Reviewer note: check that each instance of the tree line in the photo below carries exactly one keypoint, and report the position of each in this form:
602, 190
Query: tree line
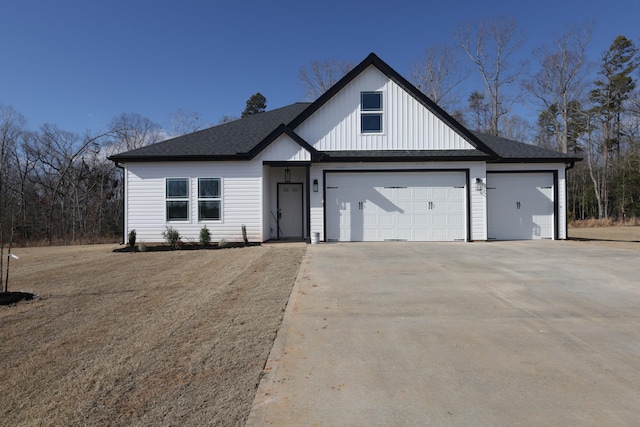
58, 187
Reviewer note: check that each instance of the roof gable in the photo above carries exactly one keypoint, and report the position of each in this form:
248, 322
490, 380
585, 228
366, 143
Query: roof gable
282, 134
402, 85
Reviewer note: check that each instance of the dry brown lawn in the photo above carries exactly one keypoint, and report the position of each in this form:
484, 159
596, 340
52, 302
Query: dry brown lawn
162, 338
627, 237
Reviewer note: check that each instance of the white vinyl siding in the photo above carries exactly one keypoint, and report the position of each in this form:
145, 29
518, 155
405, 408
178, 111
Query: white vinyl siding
407, 124
241, 193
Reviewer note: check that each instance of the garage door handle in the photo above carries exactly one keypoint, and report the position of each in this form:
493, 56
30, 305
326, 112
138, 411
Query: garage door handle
517, 205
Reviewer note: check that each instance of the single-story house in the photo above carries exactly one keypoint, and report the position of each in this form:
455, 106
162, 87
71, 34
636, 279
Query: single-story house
373, 159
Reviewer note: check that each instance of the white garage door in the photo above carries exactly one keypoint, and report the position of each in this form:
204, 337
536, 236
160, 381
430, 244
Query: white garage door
520, 206
412, 206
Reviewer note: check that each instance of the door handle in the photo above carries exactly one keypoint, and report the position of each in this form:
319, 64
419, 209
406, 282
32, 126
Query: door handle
517, 205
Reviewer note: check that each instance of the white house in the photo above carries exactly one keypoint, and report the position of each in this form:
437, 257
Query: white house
373, 159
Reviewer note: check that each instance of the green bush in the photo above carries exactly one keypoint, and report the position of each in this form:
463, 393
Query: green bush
223, 243
142, 247
132, 238
205, 236
172, 236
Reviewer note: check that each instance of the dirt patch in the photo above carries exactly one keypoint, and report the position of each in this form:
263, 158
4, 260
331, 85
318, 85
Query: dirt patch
165, 338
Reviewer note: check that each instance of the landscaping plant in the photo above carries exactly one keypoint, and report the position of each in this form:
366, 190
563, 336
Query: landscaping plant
244, 234
172, 236
205, 236
132, 238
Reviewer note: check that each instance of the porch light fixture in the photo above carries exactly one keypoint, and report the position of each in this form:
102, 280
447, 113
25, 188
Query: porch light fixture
479, 184
315, 185
287, 175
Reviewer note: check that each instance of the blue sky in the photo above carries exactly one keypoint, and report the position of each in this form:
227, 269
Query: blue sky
77, 64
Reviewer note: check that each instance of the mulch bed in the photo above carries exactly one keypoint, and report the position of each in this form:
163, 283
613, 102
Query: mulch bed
185, 247
8, 298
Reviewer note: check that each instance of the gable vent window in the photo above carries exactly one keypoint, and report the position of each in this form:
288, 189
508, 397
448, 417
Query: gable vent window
209, 199
177, 199
371, 112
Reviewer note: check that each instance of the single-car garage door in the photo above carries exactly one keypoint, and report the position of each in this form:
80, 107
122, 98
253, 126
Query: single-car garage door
412, 206
520, 206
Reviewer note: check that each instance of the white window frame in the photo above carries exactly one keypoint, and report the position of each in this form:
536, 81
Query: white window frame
168, 199
372, 112
210, 199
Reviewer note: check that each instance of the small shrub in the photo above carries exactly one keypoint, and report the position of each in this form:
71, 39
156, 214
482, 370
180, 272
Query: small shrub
205, 236
172, 236
132, 238
244, 234
142, 246
223, 243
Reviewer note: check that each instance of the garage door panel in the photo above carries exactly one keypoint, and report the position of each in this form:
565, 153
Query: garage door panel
520, 206
398, 205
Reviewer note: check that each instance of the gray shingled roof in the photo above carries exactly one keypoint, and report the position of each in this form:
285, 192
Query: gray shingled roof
236, 139
225, 141
510, 150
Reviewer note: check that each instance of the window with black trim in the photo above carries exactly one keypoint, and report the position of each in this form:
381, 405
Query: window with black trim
177, 199
209, 199
371, 112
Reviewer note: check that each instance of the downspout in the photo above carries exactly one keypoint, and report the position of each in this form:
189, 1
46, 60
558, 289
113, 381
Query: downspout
124, 195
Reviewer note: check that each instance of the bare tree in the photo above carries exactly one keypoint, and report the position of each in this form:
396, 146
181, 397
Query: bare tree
131, 131
12, 124
185, 121
320, 76
438, 73
517, 128
490, 44
559, 82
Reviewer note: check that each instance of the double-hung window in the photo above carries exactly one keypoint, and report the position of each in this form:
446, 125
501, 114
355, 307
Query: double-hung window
177, 199
209, 199
371, 112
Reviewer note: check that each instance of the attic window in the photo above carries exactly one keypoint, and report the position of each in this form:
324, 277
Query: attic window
371, 112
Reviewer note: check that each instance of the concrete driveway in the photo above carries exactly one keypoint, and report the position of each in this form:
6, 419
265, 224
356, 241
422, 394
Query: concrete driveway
536, 333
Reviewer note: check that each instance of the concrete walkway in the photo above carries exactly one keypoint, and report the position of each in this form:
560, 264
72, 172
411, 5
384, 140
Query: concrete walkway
463, 334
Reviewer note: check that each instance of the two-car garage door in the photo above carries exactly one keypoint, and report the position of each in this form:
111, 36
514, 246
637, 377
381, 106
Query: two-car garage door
412, 206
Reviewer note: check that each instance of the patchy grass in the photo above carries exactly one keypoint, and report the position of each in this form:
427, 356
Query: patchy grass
168, 338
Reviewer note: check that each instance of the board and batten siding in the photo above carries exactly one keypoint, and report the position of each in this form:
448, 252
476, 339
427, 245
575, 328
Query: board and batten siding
283, 149
241, 200
562, 186
478, 198
407, 124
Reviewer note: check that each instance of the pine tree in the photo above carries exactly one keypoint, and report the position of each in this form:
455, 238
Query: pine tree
612, 90
256, 104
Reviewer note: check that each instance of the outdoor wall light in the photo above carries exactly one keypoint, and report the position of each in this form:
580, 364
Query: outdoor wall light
315, 185
287, 175
479, 184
